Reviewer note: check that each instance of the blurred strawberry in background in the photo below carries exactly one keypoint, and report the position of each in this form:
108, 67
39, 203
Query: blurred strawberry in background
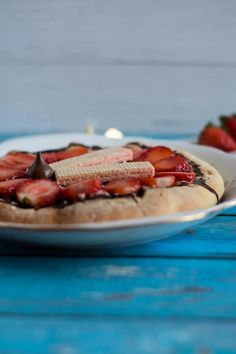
222, 137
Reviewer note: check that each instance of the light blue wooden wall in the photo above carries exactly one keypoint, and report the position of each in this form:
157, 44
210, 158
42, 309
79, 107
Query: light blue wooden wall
141, 65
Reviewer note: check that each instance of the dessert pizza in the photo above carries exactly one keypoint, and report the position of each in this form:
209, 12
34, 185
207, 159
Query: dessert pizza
81, 184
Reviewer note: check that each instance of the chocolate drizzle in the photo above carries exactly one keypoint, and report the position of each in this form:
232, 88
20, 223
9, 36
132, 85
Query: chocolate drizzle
197, 169
202, 183
200, 179
40, 169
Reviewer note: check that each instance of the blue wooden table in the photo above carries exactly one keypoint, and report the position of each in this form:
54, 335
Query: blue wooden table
173, 296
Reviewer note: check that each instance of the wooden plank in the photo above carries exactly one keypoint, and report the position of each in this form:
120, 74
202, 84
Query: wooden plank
114, 336
163, 288
214, 239
131, 31
67, 98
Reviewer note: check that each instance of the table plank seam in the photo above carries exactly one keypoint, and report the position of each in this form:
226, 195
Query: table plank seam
111, 316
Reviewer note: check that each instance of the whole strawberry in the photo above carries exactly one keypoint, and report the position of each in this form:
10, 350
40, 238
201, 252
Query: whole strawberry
217, 137
229, 124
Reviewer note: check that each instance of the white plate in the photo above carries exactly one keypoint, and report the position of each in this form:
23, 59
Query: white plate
125, 232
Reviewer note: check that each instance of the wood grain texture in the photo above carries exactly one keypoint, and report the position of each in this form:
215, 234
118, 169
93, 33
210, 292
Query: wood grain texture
152, 64
119, 287
137, 99
76, 335
111, 32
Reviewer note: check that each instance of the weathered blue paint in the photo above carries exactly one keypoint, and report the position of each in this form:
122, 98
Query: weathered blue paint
152, 287
99, 335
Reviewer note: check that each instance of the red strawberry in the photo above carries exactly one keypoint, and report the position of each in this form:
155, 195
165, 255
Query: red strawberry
217, 137
38, 193
7, 173
15, 159
14, 165
123, 186
50, 157
78, 149
71, 151
179, 176
8, 188
155, 154
158, 182
176, 163
81, 190
229, 124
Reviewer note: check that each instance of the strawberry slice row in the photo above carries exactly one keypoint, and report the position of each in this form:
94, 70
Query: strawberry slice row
15, 163
170, 168
15, 158
44, 192
167, 164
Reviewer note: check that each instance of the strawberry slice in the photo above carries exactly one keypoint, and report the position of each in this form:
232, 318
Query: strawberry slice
71, 151
156, 153
15, 159
229, 124
50, 157
78, 149
175, 163
122, 186
14, 165
158, 182
81, 190
8, 188
7, 173
179, 176
38, 193
217, 137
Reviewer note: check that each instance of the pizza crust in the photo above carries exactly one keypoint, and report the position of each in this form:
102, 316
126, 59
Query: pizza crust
156, 201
